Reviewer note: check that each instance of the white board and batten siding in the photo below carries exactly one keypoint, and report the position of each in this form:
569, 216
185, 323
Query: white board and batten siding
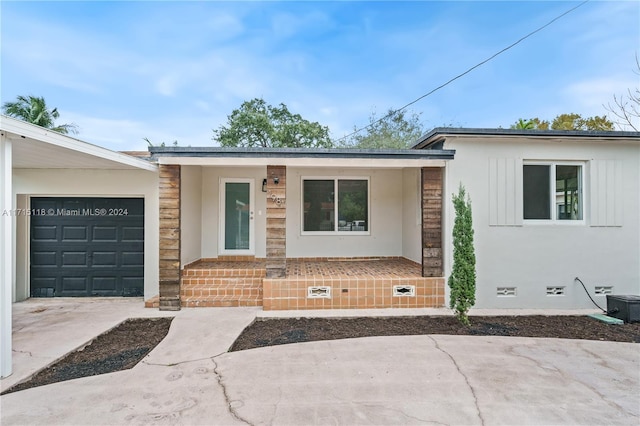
533, 264
606, 193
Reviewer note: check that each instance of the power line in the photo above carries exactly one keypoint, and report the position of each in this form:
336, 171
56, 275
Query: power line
466, 72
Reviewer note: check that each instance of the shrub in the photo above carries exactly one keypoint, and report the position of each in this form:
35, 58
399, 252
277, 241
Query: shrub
462, 280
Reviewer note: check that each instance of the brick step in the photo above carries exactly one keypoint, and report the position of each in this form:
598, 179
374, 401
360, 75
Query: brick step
226, 291
220, 291
221, 282
220, 301
231, 272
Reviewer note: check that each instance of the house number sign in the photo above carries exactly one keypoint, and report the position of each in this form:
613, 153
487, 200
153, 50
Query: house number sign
279, 201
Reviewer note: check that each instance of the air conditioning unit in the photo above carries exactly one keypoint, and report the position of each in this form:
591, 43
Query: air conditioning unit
626, 308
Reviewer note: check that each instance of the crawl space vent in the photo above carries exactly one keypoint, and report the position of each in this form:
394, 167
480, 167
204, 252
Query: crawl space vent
319, 292
555, 291
506, 291
404, 290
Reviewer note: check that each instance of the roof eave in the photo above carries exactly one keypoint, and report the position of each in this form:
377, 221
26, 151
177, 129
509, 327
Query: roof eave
22, 129
320, 153
434, 138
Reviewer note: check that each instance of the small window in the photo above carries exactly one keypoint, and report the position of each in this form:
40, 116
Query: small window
335, 205
552, 192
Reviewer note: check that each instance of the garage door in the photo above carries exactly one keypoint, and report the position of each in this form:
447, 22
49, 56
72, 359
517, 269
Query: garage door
87, 247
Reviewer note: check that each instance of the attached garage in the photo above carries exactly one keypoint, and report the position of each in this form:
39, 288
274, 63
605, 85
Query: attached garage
86, 247
76, 220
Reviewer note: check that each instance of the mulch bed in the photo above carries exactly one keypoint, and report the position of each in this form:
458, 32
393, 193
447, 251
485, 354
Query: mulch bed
118, 349
282, 331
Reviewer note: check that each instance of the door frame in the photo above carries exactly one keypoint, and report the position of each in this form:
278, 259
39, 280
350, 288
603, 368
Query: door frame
222, 219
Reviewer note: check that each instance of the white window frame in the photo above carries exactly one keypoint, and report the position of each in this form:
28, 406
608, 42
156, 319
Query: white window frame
335, 206
552, 193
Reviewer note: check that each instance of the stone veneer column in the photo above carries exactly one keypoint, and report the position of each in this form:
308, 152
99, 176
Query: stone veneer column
432, 189
169, 237
276, 222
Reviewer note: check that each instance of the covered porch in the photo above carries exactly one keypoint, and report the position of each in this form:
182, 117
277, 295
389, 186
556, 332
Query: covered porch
310, 283
300, 229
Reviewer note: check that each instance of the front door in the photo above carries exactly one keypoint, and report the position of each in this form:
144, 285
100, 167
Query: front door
236, 217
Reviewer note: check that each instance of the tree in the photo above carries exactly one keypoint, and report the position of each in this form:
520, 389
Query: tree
462, 280
530, 124
257, 124
576, 122
566, 122
396, 130
522, 124
627, 107
34, 110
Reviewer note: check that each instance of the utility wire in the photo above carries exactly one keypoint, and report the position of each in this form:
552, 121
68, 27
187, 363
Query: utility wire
466, 72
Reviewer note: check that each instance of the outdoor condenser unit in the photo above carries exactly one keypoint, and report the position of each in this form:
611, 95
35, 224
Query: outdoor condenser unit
626, 308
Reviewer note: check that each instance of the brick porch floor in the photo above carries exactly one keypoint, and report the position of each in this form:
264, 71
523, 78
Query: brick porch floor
313, 267
337, 282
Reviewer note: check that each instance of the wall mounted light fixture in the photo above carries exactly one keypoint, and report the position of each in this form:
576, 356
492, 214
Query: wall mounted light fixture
276, 180
264, 185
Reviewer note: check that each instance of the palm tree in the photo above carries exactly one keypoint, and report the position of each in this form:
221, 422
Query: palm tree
524, 124
34, 110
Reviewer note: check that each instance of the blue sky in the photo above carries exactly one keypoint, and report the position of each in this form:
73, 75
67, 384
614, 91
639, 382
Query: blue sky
123, 71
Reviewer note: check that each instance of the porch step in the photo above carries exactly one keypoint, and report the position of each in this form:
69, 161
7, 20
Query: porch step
215, 291
224, 273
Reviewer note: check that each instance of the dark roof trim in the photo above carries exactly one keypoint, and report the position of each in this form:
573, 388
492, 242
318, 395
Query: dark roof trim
435, 138
404, 154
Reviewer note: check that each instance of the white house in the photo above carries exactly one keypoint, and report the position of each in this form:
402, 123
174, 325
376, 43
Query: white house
316, 228
548, 206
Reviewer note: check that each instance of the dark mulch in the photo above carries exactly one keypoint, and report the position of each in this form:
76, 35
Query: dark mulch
282, 331
118, 349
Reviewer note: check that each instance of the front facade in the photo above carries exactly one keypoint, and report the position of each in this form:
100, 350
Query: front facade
300, 229
548, 207
319, 229
346, 210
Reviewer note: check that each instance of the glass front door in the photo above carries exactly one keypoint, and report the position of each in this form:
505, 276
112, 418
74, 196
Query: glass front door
236, 216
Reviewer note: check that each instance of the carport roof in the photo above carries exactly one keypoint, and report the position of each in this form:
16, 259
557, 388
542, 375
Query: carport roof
34, 147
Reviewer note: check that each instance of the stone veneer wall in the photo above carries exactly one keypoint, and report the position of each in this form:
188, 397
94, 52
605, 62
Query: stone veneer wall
432, 181
169, 237
276, 222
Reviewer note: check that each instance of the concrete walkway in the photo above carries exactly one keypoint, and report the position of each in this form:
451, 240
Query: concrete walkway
190, 379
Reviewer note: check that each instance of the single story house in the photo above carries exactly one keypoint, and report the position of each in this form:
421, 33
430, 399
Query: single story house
317, 228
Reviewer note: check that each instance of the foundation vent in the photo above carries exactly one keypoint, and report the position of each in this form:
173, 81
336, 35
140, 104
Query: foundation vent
404, 290
555, 291
319, 292
604, 289
506, 292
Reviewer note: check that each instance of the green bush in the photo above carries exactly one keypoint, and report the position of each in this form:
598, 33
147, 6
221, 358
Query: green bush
462, 280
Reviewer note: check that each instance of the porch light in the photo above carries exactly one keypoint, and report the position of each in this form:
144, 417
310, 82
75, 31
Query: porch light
264, 185
276, 180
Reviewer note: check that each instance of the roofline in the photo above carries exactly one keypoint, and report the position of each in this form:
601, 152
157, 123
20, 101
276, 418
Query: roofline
23, 129
439, 134
228, 152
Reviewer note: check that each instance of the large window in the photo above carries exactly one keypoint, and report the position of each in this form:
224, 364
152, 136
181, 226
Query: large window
552, 192
335, 205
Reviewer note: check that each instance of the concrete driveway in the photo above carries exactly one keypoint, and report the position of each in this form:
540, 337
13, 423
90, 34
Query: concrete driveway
191, 379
